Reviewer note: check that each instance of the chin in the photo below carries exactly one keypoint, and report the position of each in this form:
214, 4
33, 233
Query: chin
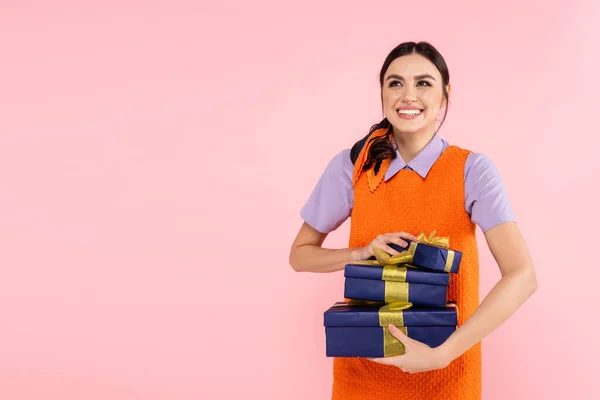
412, 127
408, 126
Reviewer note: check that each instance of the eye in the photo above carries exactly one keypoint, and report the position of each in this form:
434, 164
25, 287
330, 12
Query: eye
394, 83
425, 82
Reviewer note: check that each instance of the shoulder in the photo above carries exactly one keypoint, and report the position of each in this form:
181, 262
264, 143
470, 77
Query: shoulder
340, 166
457, 150
481, 175
486, 199
475, 162
480, 166
332, 199
452, 153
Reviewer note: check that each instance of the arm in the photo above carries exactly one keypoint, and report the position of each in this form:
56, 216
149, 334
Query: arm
307, 255
328, 206
517, 284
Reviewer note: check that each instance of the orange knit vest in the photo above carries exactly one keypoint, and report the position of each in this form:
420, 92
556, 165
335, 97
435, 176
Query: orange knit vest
412, 204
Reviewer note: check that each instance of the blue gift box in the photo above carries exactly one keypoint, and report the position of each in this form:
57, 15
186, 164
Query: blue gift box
429, 256
390, 292
396, 273
362, 331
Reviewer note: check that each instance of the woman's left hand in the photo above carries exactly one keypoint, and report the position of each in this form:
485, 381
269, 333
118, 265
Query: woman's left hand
417, 357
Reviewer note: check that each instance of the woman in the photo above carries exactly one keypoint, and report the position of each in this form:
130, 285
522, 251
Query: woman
400, 180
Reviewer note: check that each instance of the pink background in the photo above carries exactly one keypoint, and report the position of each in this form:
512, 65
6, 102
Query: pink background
154, 157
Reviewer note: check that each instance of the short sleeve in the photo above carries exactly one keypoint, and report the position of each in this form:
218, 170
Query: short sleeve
332, 199
486, 200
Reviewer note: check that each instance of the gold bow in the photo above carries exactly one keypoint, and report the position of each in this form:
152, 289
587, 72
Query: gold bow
406, 256
439, 241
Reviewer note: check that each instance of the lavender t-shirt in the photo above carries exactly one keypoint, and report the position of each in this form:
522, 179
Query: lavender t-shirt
332, 199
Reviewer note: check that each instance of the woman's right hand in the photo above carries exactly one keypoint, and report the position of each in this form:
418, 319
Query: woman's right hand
381, 241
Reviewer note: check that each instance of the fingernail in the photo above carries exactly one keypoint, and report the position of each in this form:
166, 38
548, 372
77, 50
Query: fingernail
393, 328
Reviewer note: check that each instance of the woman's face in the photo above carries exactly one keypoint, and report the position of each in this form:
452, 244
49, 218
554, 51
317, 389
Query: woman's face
412, 94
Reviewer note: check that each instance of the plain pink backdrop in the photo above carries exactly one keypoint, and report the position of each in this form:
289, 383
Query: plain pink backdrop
154, 157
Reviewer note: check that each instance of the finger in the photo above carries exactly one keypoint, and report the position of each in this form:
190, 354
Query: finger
383, 245
406, 235
398, 334
397, 240
383, 241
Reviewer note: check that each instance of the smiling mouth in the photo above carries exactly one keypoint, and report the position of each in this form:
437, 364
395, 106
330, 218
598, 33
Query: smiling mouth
408, 114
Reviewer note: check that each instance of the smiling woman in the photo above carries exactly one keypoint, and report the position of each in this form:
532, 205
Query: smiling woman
402, 179
415, 87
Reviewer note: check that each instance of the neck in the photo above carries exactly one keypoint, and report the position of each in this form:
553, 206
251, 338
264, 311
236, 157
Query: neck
410, 144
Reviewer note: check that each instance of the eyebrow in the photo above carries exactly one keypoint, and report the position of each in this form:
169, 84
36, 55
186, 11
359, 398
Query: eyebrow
417, 77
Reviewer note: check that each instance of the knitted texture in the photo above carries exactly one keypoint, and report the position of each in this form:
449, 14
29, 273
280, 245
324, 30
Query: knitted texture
412, 204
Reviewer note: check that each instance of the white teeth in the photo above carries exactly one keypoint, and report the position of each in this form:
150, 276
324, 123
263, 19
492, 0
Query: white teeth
409, 112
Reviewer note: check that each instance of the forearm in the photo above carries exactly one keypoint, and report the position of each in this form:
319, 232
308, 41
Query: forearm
503, 300
310, 258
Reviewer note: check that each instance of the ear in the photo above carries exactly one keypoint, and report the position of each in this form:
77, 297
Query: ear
445, 101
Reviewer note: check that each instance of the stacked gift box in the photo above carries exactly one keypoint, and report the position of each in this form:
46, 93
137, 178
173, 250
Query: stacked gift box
408, 290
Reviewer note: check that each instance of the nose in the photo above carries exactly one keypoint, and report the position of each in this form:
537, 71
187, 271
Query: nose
409, 95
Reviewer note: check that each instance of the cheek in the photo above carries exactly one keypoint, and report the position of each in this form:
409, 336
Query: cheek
433, 102
432, 99
389, 99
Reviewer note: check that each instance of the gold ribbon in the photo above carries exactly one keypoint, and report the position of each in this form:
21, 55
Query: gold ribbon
393, 313
394, 273
396, 292
439, 241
